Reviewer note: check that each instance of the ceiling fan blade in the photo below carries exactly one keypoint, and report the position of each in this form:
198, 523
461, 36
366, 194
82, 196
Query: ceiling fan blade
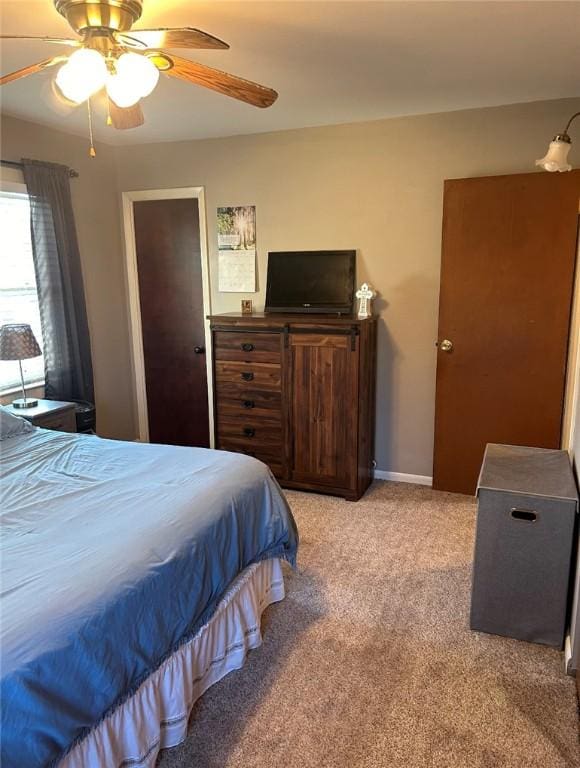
129, 117
222, 82
44, 39
184, 37
31, 70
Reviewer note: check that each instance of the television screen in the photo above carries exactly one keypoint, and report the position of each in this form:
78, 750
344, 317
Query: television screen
310, 281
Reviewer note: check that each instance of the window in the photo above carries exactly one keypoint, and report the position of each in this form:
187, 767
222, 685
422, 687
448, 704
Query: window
18, 294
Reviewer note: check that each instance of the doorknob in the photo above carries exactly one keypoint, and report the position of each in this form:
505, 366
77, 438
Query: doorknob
199, 350
446, 345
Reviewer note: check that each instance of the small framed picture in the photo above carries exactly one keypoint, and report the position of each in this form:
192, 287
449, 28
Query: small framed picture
246, 306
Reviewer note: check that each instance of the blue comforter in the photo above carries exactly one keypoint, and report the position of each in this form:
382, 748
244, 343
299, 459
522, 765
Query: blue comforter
113, 554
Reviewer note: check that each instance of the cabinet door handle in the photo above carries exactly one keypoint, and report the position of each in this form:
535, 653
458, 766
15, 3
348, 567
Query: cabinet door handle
247, 347
246, 376
249, 431
249, 404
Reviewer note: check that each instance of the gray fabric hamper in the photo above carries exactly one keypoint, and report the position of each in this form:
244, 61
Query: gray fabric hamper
525, 527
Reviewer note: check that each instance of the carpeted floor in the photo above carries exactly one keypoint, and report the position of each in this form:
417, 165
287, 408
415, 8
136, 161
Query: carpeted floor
369, 662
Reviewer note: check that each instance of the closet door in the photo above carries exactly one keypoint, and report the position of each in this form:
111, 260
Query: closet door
507, 276
323, 369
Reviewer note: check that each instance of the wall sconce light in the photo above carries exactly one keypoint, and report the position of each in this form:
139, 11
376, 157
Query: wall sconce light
556, 158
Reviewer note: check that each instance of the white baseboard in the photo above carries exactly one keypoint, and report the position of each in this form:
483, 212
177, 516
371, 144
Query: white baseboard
402, 477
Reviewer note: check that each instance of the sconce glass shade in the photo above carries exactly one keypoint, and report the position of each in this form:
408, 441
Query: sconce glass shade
556, 158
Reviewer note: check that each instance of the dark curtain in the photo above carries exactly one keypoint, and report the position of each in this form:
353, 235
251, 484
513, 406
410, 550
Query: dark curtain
61, 296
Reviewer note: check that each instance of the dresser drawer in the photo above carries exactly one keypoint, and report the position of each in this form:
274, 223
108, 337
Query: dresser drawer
241, 376
64, 421
265, 406
251, 431
229, 393
250, 347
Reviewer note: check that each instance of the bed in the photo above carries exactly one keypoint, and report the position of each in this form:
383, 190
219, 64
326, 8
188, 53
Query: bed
133, 577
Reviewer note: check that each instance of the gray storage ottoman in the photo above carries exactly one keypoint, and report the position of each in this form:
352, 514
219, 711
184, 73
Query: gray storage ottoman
525, 528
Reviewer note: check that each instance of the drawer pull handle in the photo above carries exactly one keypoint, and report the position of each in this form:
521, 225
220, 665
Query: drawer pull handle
526, 515
249, 431
246, 376
247, 347
249, 404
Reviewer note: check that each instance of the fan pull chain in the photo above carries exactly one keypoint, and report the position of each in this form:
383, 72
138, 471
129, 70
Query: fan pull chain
92, 150
109, 118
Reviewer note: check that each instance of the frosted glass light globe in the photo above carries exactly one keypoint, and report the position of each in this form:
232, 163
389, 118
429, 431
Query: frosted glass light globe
140, 71
122, 91
84, 73
136, 76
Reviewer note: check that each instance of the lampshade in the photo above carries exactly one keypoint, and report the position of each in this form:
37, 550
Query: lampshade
556, 158
17, 342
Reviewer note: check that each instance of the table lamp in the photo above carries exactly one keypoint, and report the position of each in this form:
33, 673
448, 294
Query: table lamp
17, 342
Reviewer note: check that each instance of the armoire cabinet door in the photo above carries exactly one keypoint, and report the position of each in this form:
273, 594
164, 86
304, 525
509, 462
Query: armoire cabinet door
323, 370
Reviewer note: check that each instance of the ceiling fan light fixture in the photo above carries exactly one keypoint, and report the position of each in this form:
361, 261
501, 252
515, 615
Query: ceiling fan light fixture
84, 74
122, 91
140, 70
111, 55
134, 78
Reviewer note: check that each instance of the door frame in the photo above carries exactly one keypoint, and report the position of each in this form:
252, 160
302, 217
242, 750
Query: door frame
572, 392
135, 328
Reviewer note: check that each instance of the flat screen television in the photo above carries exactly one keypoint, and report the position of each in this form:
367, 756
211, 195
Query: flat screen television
311, 281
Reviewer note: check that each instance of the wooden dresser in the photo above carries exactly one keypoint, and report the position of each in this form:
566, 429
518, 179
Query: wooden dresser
298, 393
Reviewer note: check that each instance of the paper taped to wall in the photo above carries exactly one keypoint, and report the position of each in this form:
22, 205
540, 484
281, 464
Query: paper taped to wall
237, 249
237, 271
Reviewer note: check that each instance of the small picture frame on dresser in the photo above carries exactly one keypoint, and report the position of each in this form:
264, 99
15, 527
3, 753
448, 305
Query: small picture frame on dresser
247, 307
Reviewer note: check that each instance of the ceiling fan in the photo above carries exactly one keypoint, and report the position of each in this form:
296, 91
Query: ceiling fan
126, 62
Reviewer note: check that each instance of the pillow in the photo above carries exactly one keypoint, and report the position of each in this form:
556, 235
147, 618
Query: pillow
11, 425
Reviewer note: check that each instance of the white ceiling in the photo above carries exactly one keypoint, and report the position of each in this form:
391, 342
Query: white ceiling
331, 62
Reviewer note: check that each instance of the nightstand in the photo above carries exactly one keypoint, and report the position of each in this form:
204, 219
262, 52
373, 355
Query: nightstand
49, 414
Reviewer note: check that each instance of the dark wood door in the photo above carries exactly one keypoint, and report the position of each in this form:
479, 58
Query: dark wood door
172, 319
323, 424
507, 275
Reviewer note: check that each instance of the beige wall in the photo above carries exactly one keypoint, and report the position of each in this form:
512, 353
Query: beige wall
98, 227
376, 187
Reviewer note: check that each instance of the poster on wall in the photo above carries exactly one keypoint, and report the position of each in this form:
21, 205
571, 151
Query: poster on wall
237, 249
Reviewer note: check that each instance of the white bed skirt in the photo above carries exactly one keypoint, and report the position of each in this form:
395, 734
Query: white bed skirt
156, 716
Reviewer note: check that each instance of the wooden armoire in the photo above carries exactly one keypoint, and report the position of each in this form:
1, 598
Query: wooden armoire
298, 393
